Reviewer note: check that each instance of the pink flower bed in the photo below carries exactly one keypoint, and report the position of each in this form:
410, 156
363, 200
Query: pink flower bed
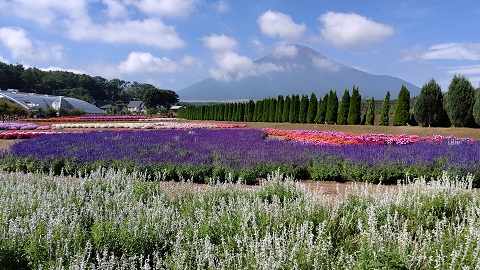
345, 138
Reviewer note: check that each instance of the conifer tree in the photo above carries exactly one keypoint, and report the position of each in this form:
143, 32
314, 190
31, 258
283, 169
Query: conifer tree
294, 109
312, 108
332, 108
370, 118
250, 111
402, 110
460, 100
259, 110
302, 116
385, 110
322, 110
355, 108
476, 107
286, 109
279, 109
344, 108
272, 110
429, 104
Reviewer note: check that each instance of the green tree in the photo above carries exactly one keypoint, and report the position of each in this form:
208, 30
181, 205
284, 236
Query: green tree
294, 109
302, 116
279, 109
332, 108
460, 100
322, 110
250, 110
259, 111
355, 108
476, 107
370, 118
155, 97
344, 108
385, 110
312, 108
272, 111
429, 104
402, 110
286, 109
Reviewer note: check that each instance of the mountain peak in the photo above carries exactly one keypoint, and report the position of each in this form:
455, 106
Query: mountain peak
295, 69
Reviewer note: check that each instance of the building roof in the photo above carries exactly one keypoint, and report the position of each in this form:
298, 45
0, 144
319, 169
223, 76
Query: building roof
32, 101
135, 104
175, 107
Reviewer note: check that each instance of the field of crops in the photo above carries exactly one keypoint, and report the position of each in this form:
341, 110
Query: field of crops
244, 154
79, 199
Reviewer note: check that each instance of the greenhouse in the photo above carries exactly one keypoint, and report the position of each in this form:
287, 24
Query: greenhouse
35, 102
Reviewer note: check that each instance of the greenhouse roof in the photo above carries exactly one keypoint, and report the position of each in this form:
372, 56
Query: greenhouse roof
32, 101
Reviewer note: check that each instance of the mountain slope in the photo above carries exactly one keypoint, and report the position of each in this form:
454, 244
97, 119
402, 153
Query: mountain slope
302, 72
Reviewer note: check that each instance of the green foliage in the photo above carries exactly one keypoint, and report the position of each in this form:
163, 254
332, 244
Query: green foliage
272, 110
294, 109
332, 108
279, 109
322, 110
259, 111
429, 104
302, 116
155, 97
250, 111
402, 110
355, 109
286, 109
459, 101
384, 115
344, 108
312, 108
370, 112
476, 107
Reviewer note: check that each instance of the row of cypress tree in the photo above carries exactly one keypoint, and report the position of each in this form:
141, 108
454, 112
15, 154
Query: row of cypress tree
294, 109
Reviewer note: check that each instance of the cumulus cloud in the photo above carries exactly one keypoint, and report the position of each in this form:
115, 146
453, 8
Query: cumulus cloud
222, 6
219, 43
152, 32
44, 12
279, 24
350, 29
325, 63
22, 48
233, 66
454, 51
53, 68
115, 9
167, 8
465, 70
285, 50
140, 62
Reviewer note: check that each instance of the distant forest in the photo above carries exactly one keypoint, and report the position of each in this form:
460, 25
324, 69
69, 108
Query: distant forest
96, 90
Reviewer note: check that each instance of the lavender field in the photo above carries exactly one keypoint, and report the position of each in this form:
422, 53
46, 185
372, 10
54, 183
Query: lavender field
203, 155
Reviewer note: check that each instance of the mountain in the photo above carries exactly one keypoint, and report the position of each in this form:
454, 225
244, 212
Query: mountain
302, 71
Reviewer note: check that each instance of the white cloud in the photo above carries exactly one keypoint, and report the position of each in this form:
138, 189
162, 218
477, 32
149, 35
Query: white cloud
325, 63
3, 60
280, 24
454, 51
465, 70
167, 8
152, 32
44, 12
285, 50
257, 44
115, 9
53, 68
139, 62
350, 29
222, 6
22, 48
219, 43
233, 66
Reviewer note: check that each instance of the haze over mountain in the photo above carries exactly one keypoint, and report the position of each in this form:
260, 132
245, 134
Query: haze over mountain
296, 70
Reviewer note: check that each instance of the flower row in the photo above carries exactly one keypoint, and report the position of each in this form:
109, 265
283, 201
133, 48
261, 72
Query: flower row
22, 126
346, 138
203, 153
155, 125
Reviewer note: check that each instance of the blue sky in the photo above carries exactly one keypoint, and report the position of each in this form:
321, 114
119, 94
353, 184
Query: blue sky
175, 43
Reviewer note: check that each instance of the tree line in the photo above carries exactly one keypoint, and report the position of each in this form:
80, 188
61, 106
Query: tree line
460, 106
96, 90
